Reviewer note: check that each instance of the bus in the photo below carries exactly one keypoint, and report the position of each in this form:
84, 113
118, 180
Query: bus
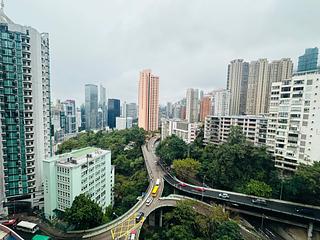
155, 191
158, 182
27, 227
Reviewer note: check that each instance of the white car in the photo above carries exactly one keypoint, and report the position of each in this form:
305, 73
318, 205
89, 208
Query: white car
149, 201
224, 195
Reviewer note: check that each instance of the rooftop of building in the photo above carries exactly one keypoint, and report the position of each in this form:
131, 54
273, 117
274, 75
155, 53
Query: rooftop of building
77, 157
241, 116
3, 17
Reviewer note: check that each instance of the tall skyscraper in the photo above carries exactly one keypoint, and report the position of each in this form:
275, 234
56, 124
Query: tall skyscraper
102, 120
237, 83
124, 109
25, 133
169, 110
132, 111
192, 106
261, 75
220, 102
113, 112
309, 60
91, 106
148, 101
205, 107
69, 108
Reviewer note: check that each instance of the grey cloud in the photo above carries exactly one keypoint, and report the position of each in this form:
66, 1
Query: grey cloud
187, 43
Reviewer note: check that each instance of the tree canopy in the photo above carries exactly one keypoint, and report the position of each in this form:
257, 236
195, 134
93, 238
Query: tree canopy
172, 148
304, 185
84, 213
186, 168
184, 223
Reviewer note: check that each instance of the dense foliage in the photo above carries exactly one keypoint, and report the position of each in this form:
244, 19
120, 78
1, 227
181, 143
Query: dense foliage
184, 223
186, 168
131, 176
172, 148
240, 166
304, 185
84, 213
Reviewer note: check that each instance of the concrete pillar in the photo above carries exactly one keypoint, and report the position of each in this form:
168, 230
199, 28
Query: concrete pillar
152, 219
160, 220
310, 231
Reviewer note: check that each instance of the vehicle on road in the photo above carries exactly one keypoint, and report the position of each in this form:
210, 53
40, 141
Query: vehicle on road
200, 189
27, 227
158, 182
133, 234
155, 191
259, 201
224, 195
304, 211
182, 184
149, 201
9, 222
139, 217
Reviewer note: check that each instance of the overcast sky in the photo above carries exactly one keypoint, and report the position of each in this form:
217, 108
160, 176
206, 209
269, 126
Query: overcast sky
188, 43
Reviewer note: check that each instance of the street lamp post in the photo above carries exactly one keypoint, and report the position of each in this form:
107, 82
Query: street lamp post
262, 218
204, 177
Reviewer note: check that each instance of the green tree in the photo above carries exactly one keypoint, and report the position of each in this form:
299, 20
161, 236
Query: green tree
84, 213
179, 232
186, 168
236, 136
172, 148
228, 230
304, 185
257, 188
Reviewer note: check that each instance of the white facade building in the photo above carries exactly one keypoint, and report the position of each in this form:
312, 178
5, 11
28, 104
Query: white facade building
220, 102
123, 122
87, 170
184, 130
217, 128
294, 121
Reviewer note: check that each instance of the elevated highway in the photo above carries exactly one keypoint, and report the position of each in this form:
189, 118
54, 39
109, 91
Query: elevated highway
120, 228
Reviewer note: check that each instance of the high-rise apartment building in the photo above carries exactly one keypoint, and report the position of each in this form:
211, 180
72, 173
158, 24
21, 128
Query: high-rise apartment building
220, 102
69, 108
192, 105
217, 128
261, 75
169, 110
25, 132
91, 106
113, 112
237, 82
205, 107
309, 60
148, 101
293, 126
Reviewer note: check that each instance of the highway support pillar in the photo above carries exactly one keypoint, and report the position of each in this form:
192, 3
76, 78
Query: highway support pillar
152, 219
160, 220
310, 231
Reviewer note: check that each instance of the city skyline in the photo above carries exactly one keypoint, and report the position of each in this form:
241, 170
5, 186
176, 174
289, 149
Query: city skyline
199, 60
